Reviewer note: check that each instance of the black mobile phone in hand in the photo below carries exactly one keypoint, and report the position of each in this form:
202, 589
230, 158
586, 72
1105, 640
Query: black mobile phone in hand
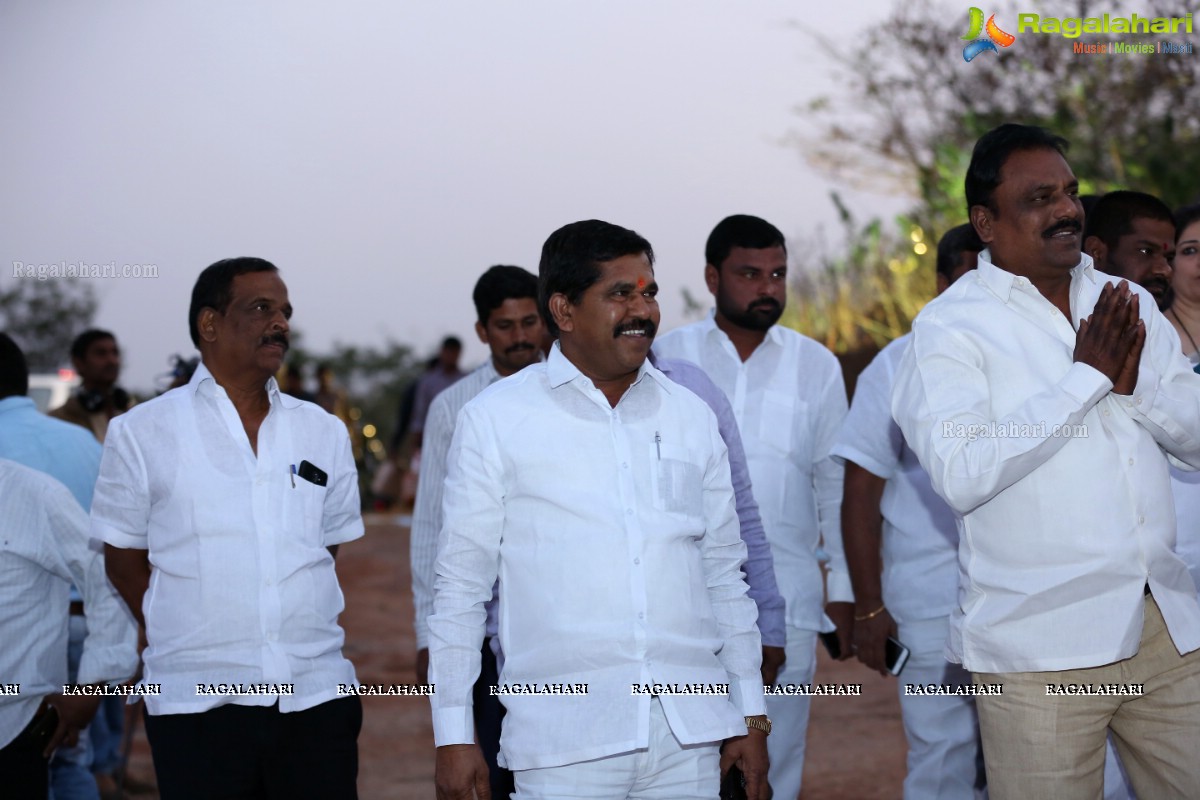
733, 785
44, 727
832, 644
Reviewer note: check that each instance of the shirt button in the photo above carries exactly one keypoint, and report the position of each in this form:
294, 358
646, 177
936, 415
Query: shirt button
1138, 401
641, 615
624, 465
268, 583
1141, 520
637, 561
1106, 413
629, 512
1131, 462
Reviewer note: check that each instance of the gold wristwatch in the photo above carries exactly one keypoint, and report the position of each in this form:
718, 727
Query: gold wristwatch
761, 722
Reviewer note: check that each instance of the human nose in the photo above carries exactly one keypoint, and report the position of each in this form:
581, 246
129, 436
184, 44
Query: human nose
1069, 207
640, 307
1162, 266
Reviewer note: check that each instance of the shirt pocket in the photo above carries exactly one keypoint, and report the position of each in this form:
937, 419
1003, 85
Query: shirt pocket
778, 423
676, 480
306, 505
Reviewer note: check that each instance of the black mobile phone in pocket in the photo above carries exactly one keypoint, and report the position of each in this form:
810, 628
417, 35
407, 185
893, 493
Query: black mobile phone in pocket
312, 474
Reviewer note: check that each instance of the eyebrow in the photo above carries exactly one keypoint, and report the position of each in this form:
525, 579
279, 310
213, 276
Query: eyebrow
629, 286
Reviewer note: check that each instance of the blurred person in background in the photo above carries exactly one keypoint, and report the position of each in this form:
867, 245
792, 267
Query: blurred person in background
97, 360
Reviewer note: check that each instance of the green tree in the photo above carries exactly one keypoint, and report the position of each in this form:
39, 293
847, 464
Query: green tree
43, 317
908, 110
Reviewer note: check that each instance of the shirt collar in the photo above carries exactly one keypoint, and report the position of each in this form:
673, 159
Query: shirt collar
203, 380
774, 333
1001, 281
560, 370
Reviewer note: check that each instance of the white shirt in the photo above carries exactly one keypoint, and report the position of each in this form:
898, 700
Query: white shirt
920, 532
789, 400
43, 549
614, 535
242, 588
1059, 533
1185, 486
427, 512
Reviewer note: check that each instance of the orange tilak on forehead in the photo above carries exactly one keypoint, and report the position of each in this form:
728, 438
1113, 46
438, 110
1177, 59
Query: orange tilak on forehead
641, 283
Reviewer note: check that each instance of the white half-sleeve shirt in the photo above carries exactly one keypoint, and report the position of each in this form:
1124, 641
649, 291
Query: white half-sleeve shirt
920, 532
242, 588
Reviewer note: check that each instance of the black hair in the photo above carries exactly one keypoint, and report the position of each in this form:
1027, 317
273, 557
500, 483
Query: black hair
214, 287
740, 230
992, 151
451, 343
14, 370
500, 283
572, 256
954, 242
1113, 215
1184, 217
83, 341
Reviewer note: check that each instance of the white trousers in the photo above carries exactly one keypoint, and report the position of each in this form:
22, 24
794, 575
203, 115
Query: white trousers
789, 715
666, 770
945, 759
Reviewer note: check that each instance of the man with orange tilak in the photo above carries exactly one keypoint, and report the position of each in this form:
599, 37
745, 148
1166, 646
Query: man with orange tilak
598, 491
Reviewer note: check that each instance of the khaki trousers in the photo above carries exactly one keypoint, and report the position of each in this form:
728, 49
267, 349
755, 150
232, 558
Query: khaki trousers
1038, 746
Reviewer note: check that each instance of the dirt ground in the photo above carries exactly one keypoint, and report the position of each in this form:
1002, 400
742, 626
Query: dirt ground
855, 744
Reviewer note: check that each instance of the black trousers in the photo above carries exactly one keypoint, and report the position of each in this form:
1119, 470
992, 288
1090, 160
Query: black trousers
488, 715
258, 753
24, 771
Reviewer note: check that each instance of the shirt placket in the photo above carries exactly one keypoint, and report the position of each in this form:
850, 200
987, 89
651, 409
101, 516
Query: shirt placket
1061, 327
269, 483
272, 661
635, 552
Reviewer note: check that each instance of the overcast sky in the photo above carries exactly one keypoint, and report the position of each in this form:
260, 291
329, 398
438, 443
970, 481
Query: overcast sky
384, 154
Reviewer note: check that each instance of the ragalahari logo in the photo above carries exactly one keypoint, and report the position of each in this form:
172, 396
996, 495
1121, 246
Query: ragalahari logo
995, 36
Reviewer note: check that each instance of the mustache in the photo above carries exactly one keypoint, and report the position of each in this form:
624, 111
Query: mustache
1065, 225
646, 325
516, 348
279, 338
766, 302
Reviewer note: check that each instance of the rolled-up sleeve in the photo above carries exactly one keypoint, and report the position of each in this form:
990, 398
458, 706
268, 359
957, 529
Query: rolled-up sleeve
121, 502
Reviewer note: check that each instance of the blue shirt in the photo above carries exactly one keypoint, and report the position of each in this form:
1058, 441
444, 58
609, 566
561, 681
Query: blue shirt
65, 452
